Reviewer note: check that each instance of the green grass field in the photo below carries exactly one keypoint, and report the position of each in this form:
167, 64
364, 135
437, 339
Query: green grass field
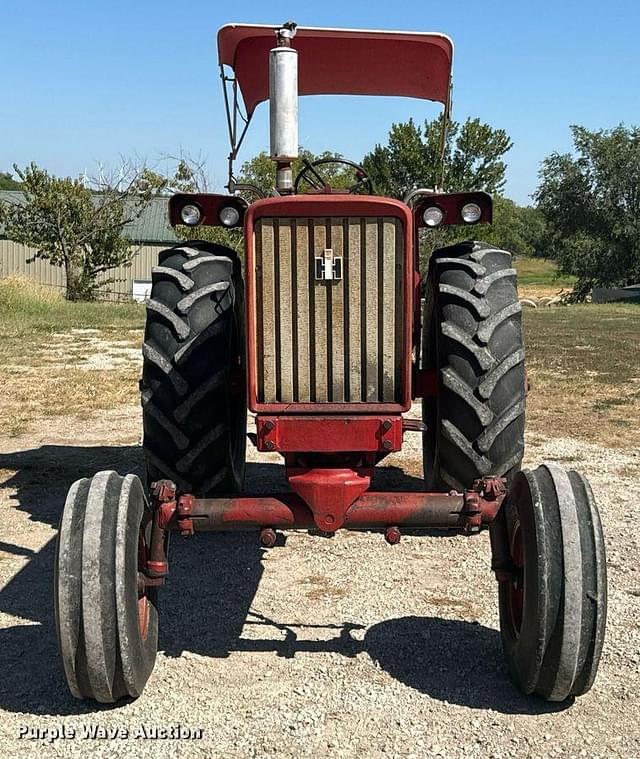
29, 312
26, 307
538, 272
583, 362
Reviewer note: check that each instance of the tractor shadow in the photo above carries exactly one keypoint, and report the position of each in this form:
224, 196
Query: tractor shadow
207, 604
31, 676
450, 660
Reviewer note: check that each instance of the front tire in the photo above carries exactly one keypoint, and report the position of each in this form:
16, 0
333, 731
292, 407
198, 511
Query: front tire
473, 339
553, 607
106, 623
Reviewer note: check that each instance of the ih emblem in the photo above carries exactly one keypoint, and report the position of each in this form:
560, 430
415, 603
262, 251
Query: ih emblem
328, 266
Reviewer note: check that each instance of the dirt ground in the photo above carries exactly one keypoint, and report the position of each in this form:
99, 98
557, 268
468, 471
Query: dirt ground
342, 647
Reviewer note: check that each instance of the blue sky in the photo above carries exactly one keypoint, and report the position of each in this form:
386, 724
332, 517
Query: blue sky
89, 81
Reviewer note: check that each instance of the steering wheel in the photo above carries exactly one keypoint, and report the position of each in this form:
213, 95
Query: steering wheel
315, 179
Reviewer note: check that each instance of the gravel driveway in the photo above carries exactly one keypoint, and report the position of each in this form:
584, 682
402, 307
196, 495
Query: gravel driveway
342, 647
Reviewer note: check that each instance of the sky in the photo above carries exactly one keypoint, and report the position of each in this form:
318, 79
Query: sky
85, 82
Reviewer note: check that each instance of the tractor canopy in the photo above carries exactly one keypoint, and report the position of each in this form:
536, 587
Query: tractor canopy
342, 62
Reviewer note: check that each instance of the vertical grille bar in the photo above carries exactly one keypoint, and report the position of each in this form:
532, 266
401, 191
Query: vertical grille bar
258, 239
320, 357
354, 295
302, 356
337, 317
399, 315
284, 307
388, 308
371, 295
268, 310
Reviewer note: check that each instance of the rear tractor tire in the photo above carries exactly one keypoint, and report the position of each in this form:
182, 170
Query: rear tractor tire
193, 376
106, 620
553, 601
472, 338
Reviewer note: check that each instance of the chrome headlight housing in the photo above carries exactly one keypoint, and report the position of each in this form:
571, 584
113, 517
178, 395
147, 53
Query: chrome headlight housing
471, 213
433, 216
229, 216
190, 214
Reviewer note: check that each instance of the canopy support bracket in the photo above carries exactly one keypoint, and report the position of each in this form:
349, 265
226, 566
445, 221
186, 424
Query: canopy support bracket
234, 116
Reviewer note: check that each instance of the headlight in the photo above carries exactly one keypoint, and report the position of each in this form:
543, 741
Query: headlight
229, 216
190, 214
433, 216
471, 213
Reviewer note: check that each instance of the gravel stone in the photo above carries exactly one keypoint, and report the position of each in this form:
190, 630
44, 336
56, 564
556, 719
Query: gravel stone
343, 647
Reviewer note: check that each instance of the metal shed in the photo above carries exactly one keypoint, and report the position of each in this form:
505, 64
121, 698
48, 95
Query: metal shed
149, 234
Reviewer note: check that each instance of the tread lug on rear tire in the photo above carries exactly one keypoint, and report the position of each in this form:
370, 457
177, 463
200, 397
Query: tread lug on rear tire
193, 378
553, 610
472, 336
107, 632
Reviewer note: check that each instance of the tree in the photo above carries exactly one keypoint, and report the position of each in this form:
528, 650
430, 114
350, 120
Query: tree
591, 204
534, 231
518, 229
411, 158
260, 172
72, 225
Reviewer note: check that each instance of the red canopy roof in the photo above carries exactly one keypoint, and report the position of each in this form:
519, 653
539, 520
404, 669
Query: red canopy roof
342, 62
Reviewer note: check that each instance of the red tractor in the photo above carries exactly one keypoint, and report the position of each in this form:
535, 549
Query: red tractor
327, 332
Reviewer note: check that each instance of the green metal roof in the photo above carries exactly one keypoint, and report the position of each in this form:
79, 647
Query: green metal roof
152, 226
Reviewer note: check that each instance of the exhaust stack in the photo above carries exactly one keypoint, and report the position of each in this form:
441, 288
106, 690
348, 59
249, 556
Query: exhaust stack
283, 106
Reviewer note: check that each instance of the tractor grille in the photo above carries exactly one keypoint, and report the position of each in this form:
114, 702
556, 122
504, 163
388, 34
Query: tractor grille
329, 340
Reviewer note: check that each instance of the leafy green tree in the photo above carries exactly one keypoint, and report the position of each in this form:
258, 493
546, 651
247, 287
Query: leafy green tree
591, 204
534, 231
473, 158
412, 159
260, 172
518, 229
73, 226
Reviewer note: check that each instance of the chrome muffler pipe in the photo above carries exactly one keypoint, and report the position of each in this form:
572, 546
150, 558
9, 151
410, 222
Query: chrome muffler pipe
283, 106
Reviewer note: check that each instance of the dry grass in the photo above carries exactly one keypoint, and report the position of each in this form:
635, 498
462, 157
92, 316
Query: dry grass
39, 393
78, 359
49, 347
584, 366
29, 313
539, 278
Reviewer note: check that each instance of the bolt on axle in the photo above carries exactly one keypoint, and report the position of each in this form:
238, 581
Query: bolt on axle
268, 537
392, 535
